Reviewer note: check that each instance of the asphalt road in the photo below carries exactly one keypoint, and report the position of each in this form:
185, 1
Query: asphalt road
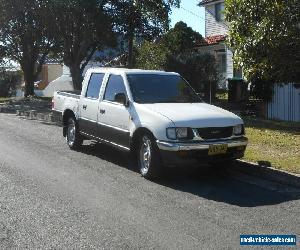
51, 197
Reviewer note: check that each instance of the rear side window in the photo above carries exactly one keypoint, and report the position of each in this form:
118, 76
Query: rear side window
114, 86
94, 86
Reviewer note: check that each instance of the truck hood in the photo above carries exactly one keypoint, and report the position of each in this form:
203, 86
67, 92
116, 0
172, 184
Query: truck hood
195, 115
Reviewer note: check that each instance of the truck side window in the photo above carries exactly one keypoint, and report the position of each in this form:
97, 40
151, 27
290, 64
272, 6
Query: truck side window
114, 86
94, 86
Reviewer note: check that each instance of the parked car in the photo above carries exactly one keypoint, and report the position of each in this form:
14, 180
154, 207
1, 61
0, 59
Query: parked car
155, 115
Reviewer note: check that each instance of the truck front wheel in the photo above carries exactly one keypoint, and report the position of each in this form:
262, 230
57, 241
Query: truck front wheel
149, 162
73, 138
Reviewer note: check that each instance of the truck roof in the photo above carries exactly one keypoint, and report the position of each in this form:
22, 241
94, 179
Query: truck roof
131, 71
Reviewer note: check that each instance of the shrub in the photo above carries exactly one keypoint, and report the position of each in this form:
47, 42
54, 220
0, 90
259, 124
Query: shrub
199, 69
8, 82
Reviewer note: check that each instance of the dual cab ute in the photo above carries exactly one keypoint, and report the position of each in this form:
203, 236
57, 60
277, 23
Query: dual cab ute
155, 115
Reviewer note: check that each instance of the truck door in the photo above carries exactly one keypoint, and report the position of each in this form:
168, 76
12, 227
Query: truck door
114, 118
89, 105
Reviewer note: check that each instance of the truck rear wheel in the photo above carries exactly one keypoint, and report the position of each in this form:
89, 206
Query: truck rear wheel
149, 162
73, 138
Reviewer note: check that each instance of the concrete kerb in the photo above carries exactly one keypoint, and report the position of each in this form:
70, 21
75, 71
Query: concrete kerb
268, 173
35, 115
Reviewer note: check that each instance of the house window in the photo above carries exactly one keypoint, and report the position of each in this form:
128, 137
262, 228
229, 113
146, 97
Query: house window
219, 10
222, 60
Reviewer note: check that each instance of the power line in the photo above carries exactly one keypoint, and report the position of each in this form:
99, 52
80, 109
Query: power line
192, 13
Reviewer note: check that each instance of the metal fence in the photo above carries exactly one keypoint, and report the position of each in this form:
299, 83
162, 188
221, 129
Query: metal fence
285, 104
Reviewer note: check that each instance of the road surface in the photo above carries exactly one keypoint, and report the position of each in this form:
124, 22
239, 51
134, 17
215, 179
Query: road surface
52, 197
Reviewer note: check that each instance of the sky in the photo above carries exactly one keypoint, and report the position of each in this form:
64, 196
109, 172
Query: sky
191, 14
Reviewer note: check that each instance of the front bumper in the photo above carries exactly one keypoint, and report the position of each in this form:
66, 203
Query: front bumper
182, 153
199, 145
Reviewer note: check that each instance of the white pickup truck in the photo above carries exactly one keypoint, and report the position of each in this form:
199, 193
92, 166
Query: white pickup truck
156, 115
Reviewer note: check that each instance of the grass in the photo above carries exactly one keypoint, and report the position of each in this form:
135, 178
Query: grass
274, 143
222, 96
4, 99
42, 98
7, 99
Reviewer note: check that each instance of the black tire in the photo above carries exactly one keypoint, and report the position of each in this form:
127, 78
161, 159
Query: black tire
148, 157
73, 138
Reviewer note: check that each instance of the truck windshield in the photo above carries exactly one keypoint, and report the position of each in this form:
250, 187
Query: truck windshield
152, 88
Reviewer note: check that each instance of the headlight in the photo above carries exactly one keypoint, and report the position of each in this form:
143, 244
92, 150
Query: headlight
177, 133
238, 129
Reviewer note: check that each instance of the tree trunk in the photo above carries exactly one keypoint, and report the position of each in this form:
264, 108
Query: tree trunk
29, 78
29, 88
76, 76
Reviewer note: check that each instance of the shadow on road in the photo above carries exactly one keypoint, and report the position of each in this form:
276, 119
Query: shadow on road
221, 187
208, 183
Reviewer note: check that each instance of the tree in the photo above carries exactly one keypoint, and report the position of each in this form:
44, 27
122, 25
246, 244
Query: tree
25, 36
181, 38
152, 56
265, 36
10, 78
135, 18
177, 41
84, 26
200, 70
173, 52
8, 81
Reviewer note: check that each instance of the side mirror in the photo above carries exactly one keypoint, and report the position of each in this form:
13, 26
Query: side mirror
121, 98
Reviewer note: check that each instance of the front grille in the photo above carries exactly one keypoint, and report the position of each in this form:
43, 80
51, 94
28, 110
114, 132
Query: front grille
215, 133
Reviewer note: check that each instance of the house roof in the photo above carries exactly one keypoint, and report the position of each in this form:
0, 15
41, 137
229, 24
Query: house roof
212, 40
204, 2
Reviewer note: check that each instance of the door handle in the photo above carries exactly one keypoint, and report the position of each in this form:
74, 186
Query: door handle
102, 111
84, 107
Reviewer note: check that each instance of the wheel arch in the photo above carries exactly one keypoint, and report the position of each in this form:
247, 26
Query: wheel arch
136, 135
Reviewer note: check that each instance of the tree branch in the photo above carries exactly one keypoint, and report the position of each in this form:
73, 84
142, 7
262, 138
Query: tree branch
88, 58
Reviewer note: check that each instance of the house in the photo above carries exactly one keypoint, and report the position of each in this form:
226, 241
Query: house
56, 76
62, 81
50, 72
216, 31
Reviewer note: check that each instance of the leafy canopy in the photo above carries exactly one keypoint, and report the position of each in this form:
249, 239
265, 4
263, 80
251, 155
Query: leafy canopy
152, 56
147, 19
178, 40
83, 27
181, 38
265, 36
173, 52
25, 36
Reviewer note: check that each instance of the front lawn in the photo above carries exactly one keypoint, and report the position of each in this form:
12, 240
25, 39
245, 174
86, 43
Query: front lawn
273, 143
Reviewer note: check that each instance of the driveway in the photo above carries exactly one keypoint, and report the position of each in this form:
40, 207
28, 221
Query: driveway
51, 197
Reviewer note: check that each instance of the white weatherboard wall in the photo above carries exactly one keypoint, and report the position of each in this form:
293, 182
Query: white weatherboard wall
285, 104
229, 63
212, 26
62, 83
